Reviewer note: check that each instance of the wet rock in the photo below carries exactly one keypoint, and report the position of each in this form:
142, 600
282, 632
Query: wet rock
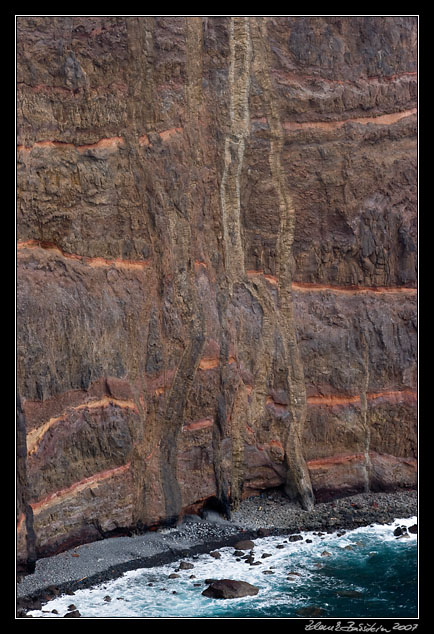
185, 565
295, 538
264, 532
53, 590
245, 544
265, 555
107, 598
173, 575
311, 610
354, 594
215, 554
230, 589
75, 614
412, 529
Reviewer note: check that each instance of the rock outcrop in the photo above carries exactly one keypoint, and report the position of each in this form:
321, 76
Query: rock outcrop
230, 589
217, 265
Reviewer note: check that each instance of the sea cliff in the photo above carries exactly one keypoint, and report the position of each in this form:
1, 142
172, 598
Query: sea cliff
216, 266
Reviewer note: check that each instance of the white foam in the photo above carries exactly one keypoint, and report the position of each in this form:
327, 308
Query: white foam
131, 596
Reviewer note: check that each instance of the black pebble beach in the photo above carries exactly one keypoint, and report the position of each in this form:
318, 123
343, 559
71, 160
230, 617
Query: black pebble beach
267, 514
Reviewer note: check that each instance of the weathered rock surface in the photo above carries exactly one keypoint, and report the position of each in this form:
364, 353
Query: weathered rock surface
230, 589
216, 288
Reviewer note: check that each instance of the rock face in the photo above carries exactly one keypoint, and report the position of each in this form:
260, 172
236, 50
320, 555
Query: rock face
216, 254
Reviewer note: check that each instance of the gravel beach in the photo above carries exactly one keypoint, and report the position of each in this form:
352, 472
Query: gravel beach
267, 514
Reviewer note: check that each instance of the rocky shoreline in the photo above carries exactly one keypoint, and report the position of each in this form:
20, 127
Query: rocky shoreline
267, 514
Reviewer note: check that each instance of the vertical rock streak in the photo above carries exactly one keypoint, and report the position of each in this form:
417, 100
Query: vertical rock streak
364, 410
249, 52
23, 503
239, 83
180, 241
298, 483
228, 481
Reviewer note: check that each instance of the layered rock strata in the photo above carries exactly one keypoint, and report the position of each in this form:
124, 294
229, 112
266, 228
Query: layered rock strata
217, 259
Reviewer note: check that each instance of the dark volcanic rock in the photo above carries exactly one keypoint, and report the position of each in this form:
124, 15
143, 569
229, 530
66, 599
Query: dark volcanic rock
353, 594
75, 614
230, 589
185, 565
245, 544
311, 610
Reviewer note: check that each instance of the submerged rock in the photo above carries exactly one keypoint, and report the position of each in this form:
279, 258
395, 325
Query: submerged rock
311, 610
230, 589
353, 594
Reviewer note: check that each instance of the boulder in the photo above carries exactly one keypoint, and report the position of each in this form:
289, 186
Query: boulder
311, 610
264, 532
412, 529
75, 614
230, 589
184, 565
245, 544
353, 594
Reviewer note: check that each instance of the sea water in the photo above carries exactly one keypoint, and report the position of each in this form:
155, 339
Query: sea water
364, 573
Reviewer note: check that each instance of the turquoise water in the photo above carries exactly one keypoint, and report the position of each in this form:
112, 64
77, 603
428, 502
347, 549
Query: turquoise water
365, 573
